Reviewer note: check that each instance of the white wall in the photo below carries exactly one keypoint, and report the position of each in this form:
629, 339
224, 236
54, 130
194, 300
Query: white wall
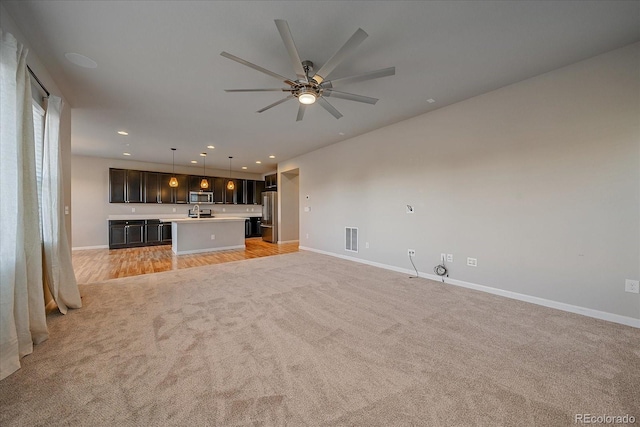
90, 197
540, 181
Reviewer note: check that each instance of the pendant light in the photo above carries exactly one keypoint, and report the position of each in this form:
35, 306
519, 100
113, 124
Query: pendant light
173, 182
204, 184
230, 184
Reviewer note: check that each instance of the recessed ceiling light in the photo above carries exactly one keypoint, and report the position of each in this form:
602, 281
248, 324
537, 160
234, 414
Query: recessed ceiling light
272, 157
194, 161
126, 154
431, 101
211, 147
203, 154
244, 167
123, 133
341, 133
81, 60
258, 162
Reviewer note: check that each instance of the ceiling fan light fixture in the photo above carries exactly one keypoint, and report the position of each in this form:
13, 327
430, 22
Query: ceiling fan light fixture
307, 98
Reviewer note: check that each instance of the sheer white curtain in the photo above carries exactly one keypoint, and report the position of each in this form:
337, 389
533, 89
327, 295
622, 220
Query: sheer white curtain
22, 313
57, 255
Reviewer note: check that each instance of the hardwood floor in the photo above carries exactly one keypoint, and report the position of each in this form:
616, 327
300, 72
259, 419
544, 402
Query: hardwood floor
95, 265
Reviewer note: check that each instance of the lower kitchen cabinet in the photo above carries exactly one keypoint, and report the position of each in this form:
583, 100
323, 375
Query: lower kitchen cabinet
136, 233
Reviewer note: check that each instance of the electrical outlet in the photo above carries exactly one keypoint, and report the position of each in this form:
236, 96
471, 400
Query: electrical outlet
213, 237
443, 257
472, 262
632, 286
366, 245
307, 235
133, 209
174, 209
449, 257
411, 252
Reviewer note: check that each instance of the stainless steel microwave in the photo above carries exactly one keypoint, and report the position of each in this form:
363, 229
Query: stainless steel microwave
201, 197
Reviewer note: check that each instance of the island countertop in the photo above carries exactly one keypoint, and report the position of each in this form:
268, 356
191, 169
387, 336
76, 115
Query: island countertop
187, 220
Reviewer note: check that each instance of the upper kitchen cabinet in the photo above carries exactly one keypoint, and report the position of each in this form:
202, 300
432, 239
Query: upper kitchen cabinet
250, 191
219, 188
195, 181
231, 196
151, 187
168, 194
260, 187
125, 186
133, 186
271, 182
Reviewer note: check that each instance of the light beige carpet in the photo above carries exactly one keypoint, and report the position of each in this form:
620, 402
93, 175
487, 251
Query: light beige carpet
305, 339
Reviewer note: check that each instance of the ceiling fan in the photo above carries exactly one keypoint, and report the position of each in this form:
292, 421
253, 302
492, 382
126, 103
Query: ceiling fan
309, 87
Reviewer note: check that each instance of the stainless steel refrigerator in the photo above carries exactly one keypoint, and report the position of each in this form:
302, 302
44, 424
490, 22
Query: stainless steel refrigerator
269, 223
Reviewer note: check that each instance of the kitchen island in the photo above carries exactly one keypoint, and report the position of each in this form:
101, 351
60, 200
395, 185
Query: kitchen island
196, 235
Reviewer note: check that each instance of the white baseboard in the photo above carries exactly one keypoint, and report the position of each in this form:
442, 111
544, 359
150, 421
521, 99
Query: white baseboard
82, 248
589, 312
280, 242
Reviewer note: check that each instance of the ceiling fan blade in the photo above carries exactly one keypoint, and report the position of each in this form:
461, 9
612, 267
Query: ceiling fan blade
287, 38
355, 40
301, 109
360, 77
257, 67
258, 90
330, 108
350, 96
275, 103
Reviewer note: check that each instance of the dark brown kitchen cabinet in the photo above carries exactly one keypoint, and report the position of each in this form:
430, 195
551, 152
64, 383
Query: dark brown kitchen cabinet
219, 188
182, 190
125, 186
234, 196
166, 233
151, 187
195, 181
126, 234
133, 186
168, 194
250, 191
136, 233
260, 187
271, 182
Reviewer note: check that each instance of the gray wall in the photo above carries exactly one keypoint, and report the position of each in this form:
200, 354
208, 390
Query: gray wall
90, 197
538, 180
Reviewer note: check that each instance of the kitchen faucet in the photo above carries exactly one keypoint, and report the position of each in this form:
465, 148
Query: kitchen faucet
196, 209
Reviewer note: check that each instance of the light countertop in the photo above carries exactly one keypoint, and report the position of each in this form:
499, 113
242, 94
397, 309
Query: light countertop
198, 220
166, 217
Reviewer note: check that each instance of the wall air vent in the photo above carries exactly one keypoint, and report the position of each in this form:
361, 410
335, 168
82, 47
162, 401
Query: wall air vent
351, 239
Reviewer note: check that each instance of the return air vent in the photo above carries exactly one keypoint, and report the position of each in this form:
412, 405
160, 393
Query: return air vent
351, 239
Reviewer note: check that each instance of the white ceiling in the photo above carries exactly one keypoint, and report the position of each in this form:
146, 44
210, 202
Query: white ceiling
160, 75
